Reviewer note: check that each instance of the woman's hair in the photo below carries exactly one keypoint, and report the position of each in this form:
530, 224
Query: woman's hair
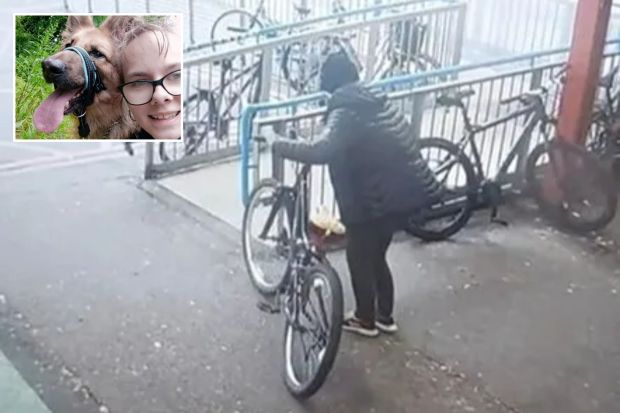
160, 26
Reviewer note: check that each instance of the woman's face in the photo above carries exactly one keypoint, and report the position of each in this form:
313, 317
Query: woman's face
142, 60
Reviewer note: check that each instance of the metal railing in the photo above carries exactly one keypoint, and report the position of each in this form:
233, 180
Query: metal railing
229, 76
417, 103
199, 15
285, 11
497, 26
504, 27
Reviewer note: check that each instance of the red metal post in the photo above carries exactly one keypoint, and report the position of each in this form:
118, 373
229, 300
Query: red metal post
584, 65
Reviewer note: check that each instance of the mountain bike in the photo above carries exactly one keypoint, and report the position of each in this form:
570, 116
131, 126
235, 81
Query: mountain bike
212, 111
402, 51
299, 61
569, 184
285, 267
604, 135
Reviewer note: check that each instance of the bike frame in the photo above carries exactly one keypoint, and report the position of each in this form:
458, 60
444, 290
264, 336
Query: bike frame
215, 100
536, 116
295, 200
256, 76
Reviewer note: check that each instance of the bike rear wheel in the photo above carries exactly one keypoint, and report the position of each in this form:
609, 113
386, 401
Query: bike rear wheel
266, 245
199, 120
300, 67
453, 169
232, 25
311, 340
571, 186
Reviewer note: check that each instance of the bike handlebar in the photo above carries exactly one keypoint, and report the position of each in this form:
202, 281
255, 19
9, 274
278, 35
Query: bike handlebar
529, 97
534, 96
509, 100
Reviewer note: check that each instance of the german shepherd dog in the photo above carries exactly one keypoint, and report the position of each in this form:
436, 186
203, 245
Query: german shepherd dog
99, 111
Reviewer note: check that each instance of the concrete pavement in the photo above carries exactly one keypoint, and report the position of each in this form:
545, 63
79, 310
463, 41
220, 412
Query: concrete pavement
123, 285
528, 309
147, 306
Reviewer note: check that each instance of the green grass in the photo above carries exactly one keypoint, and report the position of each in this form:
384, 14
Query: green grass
37, 37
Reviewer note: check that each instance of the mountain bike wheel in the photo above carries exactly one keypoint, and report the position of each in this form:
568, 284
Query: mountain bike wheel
231, 25
602, 141
199, 118
571, 186
312, 338
395, 69
300, 67
453, 169
427, 63
597, 141
266, 245
197, 106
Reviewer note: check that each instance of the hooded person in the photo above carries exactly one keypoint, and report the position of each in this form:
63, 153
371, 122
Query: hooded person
379, 179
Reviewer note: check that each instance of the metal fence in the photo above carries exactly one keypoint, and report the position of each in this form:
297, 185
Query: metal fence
509, 27
286, 11
199, 15
418, 105
221, 79
496, 26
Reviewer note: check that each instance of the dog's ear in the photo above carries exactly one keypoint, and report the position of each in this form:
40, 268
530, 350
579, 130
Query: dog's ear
118, 26
75, 23
79, 22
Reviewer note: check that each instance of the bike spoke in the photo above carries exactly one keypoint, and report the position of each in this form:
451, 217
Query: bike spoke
323, 314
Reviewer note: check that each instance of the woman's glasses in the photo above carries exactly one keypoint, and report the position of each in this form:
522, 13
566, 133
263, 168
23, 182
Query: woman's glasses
140, 92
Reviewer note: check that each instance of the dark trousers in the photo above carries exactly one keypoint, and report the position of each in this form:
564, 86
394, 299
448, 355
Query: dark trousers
367, 245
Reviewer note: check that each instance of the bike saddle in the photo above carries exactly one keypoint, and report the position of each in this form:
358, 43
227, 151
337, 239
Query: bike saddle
607, 81
303, 11
454, 98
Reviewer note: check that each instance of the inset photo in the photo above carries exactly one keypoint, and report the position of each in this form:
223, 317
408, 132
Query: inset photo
87, 77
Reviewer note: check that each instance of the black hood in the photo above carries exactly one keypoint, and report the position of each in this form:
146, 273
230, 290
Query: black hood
357, 97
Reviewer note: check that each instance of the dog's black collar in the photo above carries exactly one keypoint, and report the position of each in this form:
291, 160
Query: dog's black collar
92, 86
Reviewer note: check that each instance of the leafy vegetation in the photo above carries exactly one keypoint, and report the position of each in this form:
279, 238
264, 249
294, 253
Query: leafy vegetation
37, 37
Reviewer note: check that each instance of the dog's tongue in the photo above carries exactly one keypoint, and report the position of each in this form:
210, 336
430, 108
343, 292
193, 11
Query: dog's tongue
49, 114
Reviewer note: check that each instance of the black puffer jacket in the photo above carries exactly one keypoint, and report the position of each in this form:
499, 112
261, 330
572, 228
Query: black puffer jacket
375, 167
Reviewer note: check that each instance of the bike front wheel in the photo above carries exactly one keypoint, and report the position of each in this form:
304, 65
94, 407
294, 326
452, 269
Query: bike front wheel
266, 237
571, 186
454, 171
312, 335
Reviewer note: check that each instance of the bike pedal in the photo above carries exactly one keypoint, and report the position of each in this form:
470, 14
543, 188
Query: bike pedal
500, 222
259, 139
267, 307
495, 220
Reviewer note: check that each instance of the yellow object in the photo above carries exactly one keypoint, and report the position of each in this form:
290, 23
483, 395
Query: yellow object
323, 219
